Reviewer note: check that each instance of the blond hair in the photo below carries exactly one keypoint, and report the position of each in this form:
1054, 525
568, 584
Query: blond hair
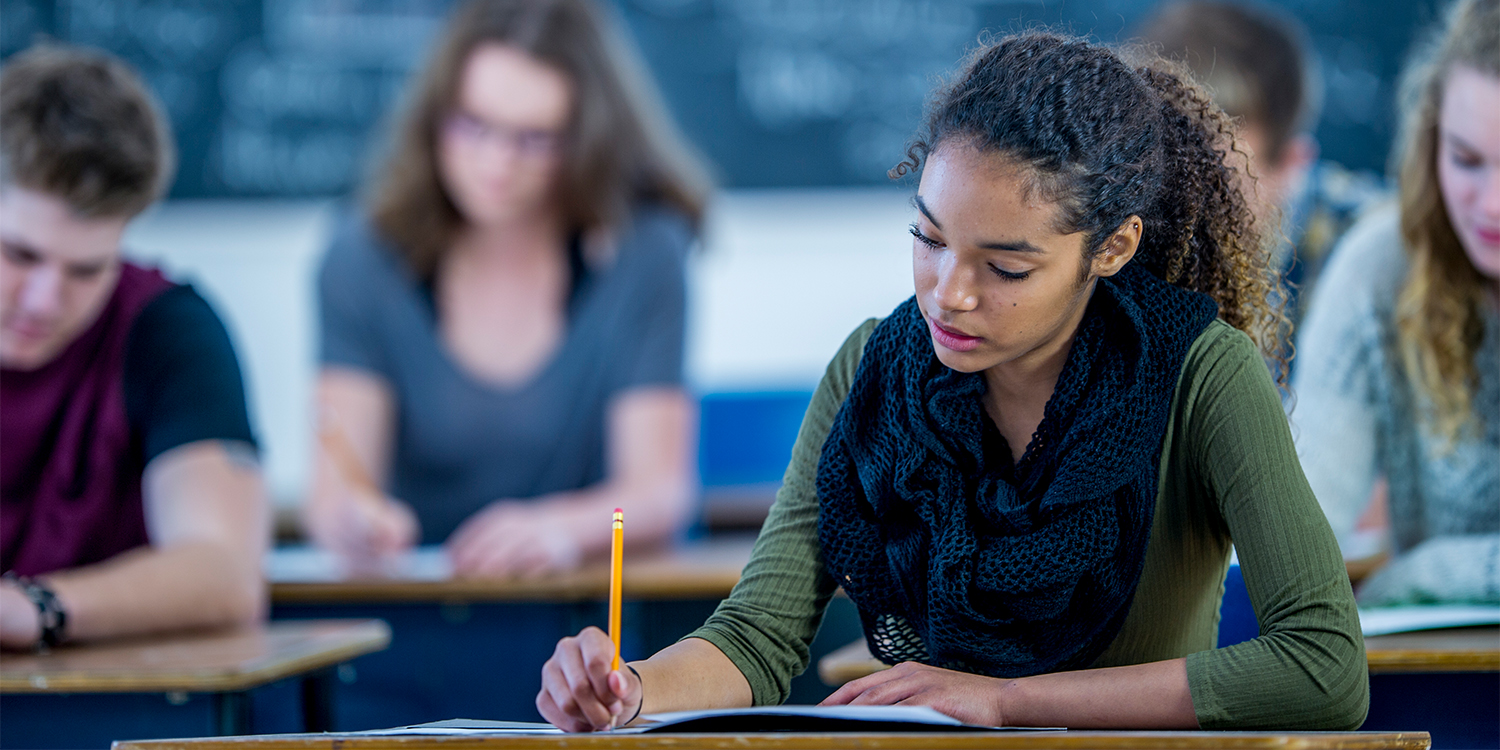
1438, 320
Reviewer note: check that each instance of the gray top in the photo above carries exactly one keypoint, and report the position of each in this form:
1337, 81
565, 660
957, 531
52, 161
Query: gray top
460, 442
1357, 417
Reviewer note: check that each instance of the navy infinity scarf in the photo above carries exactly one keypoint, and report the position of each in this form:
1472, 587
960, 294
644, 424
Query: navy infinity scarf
960, 558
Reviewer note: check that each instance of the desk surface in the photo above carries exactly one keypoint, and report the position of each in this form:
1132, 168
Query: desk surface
210, 662
788, 741
1457, 650
706, 569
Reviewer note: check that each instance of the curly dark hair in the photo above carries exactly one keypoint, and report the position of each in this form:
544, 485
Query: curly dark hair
1109, 134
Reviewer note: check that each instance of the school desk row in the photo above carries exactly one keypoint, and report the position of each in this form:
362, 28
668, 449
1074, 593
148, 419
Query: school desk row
475, 648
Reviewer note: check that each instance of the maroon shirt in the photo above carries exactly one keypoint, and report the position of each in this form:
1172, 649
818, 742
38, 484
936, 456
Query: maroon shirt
77, 433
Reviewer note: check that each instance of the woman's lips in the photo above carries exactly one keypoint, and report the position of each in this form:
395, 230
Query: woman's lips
951, 339
1488, 236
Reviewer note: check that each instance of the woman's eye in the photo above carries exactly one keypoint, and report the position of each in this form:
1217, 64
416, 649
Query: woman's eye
924, 239
1466, 160
1010, 275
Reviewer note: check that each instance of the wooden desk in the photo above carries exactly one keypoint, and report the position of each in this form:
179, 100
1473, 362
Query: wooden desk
699, 570
787, 741
223, 665
1456, 650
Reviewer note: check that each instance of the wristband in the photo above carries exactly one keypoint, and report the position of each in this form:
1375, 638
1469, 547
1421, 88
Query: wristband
642, 703
49, 611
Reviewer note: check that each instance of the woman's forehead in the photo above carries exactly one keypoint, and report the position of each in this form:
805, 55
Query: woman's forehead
964, 189
507, 86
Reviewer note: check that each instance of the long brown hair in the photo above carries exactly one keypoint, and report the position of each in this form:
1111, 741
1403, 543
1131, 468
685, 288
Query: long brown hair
1112, 134
1438, 319
621, 149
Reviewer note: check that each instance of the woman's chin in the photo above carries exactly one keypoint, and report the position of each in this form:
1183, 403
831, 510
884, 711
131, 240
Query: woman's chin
970, 361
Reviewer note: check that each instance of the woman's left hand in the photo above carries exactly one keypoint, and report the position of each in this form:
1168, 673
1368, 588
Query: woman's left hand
970, 698
510, 538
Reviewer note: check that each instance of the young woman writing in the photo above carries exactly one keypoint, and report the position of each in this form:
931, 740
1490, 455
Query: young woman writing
502, 328
1028, 476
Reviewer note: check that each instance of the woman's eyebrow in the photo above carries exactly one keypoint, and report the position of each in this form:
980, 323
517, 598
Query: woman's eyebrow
1021, 246
921, 206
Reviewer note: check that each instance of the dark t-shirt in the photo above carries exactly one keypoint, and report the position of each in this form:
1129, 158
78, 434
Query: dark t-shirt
182, 380
461, 442
154, 372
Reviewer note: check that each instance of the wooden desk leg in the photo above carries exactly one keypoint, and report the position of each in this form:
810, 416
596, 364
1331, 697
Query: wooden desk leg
232, 713
317, 701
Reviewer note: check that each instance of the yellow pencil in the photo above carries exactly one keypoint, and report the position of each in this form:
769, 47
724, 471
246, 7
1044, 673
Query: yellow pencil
616, 570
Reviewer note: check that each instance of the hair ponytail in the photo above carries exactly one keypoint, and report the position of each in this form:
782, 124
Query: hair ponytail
1106, 140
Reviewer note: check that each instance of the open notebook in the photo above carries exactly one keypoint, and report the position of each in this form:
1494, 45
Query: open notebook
816, 719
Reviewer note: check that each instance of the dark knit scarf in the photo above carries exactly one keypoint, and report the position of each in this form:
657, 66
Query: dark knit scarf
960, 558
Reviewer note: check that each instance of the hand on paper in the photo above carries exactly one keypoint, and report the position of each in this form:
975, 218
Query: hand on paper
970, 698
579, 691
510, 538
364, 526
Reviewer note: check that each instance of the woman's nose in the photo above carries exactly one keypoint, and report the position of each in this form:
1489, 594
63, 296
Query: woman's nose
955, 286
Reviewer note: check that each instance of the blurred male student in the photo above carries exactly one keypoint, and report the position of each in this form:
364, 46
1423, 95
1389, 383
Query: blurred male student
1258, 66
131, 498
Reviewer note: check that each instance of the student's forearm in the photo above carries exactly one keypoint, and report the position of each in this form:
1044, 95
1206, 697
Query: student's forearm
653, 512
1141, 696
187, 585
691, 674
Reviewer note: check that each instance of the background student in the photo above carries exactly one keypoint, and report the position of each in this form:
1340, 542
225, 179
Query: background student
502, 325
1028, 476
130, 495
1400, 371
1258, 65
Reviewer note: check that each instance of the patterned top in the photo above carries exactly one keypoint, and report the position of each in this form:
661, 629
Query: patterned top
1357, 417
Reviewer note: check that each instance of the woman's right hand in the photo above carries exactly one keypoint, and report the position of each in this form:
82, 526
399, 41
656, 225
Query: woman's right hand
580, 693
364, 526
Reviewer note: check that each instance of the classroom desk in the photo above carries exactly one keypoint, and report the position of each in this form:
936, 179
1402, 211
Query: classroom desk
790, 741
156, 684
1443, 681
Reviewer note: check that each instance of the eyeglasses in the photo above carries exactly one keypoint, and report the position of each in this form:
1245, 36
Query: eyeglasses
528, 142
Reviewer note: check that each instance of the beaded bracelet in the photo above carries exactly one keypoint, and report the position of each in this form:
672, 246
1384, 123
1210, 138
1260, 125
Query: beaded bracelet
50, 613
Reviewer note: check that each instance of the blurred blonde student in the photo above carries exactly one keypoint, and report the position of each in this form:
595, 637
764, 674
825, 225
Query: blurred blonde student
1027, 477
502, 323
130, 494
1400, 371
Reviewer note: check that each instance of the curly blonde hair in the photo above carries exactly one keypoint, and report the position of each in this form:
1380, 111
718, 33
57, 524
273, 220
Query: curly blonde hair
1438, 320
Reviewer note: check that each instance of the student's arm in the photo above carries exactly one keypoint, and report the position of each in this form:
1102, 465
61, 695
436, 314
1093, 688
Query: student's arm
208, 523
651, 448
757, 640
356, 416
1449, 568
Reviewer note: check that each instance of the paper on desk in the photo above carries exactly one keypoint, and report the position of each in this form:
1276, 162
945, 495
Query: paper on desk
1385, 620
473, 727
903, 714
308, 564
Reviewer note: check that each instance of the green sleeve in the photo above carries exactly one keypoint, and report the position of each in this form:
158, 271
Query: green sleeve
1307, 669
772, 614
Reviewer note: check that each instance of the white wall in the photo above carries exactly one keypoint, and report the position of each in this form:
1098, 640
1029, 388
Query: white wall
783, 277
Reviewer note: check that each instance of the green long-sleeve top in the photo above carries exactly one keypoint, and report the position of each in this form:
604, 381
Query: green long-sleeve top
1229, 471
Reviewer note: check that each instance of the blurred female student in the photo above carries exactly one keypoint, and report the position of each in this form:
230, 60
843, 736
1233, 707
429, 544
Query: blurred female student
1400, 372
1028, 476
502, 328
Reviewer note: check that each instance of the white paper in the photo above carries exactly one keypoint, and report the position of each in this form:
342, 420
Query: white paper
1385, 620
308, 564
908, 714
463, 727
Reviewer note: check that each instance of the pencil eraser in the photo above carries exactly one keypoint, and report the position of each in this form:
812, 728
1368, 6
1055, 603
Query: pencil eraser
618, 510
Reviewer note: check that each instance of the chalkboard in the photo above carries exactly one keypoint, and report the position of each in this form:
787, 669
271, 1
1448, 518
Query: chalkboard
288, 97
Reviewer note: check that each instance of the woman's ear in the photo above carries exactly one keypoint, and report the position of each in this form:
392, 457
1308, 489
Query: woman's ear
1119, 248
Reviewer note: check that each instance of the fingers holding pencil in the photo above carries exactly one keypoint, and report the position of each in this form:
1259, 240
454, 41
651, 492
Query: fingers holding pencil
580, 693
